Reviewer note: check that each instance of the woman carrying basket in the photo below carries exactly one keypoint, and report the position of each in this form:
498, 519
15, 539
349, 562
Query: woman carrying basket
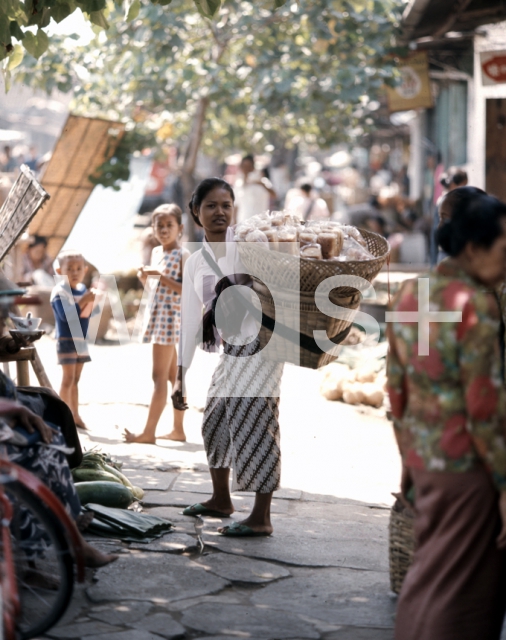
449, 411
240, 426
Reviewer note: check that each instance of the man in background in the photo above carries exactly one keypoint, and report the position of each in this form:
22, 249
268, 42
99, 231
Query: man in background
305, 204
253, 191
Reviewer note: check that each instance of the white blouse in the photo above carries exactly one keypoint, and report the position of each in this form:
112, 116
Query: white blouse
199, 281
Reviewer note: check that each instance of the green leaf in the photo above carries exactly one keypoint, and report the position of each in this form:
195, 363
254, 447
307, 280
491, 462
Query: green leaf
133, 11
98, 18
279, 3
16, 57
36, 45
5, 34
90, 6
207, 8
61, 11
40, 18
15, 30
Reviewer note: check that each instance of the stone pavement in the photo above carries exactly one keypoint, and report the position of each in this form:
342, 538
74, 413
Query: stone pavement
324, 572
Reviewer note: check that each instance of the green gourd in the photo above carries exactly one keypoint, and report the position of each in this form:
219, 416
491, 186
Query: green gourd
91, 475
108, 494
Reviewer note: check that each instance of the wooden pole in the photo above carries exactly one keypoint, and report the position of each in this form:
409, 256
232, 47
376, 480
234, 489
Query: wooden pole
23, 373
40, 371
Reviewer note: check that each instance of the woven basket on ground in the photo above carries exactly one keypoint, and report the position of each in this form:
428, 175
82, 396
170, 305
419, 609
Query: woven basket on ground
299, 311
401, 544
302, 274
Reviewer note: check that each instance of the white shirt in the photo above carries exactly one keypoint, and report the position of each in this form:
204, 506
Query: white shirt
199, 281
251, 199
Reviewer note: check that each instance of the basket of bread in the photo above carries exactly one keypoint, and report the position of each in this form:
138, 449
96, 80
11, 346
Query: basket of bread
291, 263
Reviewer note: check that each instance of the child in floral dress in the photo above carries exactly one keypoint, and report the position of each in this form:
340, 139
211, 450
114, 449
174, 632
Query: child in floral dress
163, 318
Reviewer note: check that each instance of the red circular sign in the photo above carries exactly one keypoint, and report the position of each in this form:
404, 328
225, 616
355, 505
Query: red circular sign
495, 68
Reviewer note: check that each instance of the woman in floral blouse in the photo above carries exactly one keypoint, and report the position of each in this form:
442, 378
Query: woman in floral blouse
449, 411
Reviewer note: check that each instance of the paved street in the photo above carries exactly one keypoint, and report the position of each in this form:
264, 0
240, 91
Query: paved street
324, 572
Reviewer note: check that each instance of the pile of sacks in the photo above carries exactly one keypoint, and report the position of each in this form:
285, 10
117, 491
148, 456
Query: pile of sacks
363, 385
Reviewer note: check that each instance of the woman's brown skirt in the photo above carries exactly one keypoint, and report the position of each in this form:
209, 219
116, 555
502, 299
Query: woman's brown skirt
456, 587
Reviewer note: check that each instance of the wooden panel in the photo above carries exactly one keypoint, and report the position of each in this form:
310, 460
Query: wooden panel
71, 137
496, 148
48, 224
84, 145
84, 161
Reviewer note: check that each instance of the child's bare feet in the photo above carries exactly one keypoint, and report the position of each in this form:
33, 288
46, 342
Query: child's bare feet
142, 438
175, 435
80, 424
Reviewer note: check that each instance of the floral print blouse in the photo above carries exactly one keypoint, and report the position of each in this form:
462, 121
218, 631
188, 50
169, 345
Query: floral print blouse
449, 407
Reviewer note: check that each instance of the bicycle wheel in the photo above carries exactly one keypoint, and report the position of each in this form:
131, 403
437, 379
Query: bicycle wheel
43, 561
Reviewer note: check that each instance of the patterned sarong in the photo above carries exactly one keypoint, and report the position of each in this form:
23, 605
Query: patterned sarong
241, 428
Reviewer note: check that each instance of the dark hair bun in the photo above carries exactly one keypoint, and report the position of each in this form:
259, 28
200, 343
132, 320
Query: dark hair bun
475, 219
455, 176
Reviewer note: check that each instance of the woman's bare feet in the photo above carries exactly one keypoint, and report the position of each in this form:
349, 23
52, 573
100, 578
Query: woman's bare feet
94, 558
259, 520
220, 506
142, 438
254, 525
177, 436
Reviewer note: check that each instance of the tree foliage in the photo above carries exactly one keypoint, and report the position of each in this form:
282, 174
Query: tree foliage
311, 70
23, 23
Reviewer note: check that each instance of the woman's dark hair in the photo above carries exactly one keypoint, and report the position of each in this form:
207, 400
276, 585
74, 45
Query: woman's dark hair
455, 176
461, 196
201, 191
477, 219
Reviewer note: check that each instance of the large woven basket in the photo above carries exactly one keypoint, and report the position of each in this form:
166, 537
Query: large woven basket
293, 281
290, 306
401, 544
301, 274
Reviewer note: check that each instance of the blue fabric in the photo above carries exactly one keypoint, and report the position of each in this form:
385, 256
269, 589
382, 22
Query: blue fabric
62, 325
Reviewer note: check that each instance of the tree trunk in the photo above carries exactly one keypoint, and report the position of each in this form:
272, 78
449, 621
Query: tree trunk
189, 159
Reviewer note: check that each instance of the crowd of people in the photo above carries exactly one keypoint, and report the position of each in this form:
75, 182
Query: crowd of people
10, 163
448, 407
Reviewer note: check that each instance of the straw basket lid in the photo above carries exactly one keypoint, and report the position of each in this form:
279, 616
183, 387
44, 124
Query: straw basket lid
303, 274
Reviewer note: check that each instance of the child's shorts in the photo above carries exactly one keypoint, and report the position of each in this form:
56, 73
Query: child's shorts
67, 351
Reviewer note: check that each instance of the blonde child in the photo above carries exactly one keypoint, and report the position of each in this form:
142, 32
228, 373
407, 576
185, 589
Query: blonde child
72, 350
163, 322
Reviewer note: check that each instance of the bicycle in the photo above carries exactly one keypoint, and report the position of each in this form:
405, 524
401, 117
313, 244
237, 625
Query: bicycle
36, 565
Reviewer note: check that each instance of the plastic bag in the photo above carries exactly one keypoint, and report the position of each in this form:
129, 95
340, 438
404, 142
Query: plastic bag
353, 232
352, 250
257, 236
313, 251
